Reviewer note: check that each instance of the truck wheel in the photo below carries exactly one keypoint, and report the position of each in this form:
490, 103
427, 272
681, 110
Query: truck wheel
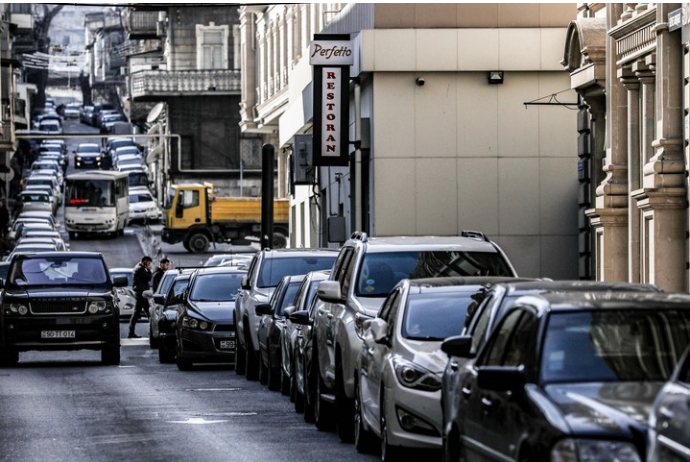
198, 243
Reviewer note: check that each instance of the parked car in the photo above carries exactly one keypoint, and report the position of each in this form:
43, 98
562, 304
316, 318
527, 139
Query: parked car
399, 368
272, 329
88, 155
50, 127
58, 243
569, 376
47, 190
39, 215
124, 295
364, 273
32, 201
205, 323
72, 110
86, 114
33, 248
266, 270
669, 439
167, 317
157, 301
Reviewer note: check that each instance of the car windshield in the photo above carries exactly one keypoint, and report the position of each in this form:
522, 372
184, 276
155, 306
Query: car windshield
138, 198
94, 193
88, 149
216, 287
381, 271
57, 271
275, 269
434, 317
620, 345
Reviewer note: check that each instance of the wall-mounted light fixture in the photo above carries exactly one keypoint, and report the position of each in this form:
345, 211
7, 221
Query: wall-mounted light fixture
419, 81
495, 76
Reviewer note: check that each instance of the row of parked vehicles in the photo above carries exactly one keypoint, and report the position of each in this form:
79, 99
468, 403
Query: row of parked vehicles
405, 343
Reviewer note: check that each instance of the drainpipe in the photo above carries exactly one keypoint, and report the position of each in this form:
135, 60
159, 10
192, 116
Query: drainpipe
358, 157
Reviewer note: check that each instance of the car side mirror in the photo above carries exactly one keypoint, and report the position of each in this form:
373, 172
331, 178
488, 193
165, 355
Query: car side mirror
379, 331
301, 318
179, 299
148, 293
329, 291
120, 281
159, 299
263, 308
245, 283
458, 345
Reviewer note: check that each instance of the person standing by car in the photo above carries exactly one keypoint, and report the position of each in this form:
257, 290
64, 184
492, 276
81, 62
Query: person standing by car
163, 266
141, 282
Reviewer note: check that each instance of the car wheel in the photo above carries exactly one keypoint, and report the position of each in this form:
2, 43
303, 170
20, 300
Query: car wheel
72, 235
272, 374
323, 413
345, 407
183, 363
165, 354
110, 355
364, 439
9, 357
297, 397
250, 360
240, 365
388, 453
198, 243
263, 371
284, 383
450, 447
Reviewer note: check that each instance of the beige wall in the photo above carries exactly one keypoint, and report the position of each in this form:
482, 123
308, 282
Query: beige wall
481, 15
458, 153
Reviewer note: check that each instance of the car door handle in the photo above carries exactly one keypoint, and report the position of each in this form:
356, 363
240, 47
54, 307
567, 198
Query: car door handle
666, 413
487, 402
466, 392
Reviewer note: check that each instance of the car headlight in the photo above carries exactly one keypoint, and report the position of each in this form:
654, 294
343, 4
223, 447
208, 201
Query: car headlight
577, 450
96, 307
17, 308
412, 375
78, 158
193, 323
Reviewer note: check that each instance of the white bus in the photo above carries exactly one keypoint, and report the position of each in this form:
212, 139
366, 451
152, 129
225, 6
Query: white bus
96, 202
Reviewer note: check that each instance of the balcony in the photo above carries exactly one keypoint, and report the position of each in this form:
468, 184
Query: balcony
156, 85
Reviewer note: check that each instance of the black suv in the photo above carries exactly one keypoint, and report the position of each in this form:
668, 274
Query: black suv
59, 301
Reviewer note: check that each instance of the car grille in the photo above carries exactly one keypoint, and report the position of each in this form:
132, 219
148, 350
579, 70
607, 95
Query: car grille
58, 307
224, 328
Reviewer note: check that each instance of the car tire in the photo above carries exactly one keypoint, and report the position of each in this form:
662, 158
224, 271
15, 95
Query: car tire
388, 453
284, 383
323, 412
364, 440
198, 243
450, 447
273, 375
298, 398
250, 360
345, 407
110, 355
9, 357
165, 354
263, 371
240, 365
183, 363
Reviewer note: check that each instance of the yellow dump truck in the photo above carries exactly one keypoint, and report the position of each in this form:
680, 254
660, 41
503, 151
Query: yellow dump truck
196, 217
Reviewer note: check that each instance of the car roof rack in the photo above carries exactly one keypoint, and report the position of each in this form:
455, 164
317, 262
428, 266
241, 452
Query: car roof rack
474, 234
360, 235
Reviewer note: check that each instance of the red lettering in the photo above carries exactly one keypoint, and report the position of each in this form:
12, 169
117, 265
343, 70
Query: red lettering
330, 138
330, 86
330, 95
330, 75
330, 106
330, 148
330, 116
330, 127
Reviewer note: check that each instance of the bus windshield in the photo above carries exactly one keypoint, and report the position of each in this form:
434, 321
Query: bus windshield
90, 193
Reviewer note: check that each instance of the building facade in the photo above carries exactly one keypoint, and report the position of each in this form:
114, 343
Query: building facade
436, 148
631, 71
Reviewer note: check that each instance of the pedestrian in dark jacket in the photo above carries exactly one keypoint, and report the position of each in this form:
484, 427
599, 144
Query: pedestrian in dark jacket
141, 282
163, 266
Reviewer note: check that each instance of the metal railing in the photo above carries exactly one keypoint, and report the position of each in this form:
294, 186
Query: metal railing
176, 82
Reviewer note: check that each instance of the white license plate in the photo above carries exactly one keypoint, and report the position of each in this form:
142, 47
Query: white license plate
227, 344
58, 334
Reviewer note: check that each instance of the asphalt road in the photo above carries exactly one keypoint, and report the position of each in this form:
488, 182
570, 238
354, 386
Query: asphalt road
66, 406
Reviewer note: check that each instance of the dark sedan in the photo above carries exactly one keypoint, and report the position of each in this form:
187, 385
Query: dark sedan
165, 310
205, 320
569, 377
271, 331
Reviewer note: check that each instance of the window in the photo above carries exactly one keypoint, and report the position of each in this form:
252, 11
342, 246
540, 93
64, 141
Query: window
189, 199
212, 46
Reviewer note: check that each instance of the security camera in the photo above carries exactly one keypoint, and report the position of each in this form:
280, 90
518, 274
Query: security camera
419, 81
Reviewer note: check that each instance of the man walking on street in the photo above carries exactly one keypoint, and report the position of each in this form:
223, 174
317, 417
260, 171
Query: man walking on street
141, 282
158, 273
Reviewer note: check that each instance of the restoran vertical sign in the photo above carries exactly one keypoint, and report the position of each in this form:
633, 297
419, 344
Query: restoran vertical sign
331, 56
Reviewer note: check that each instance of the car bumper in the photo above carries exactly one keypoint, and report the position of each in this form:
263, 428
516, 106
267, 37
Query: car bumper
201, 346
424, 406
76, 333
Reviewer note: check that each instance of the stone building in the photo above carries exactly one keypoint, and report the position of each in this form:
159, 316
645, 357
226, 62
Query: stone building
630, 71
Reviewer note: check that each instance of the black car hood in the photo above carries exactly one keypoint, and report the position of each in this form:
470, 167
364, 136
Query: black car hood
218, 312
52, 293
604, 408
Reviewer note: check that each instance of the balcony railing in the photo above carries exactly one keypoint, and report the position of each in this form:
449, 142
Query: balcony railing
179, 83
